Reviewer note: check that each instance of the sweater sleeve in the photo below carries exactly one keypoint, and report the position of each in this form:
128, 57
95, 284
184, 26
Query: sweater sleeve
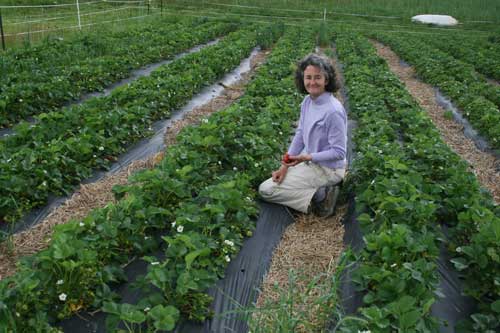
297, 144
337, 138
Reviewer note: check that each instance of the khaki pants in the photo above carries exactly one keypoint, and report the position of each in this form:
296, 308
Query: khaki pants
299, 185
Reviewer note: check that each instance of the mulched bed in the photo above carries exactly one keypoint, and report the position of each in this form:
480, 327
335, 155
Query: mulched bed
99, 194
482, 164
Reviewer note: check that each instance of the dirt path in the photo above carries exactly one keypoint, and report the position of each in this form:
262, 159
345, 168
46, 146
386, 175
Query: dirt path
99, 194
484, 165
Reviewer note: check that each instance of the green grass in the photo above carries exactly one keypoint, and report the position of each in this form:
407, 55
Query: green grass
305, 304
379, 15
462, 9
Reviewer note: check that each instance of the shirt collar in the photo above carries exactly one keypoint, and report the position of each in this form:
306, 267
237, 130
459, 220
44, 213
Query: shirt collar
321, 99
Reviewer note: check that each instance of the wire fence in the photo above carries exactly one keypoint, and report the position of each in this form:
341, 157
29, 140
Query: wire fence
25, 24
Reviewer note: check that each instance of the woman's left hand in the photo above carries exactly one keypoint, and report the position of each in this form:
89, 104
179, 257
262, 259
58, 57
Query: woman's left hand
296, 159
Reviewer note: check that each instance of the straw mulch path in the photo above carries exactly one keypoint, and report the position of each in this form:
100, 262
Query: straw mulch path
483, 164
99, 194
310, 247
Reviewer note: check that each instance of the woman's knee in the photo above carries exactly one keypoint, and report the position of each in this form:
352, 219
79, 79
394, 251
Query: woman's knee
266, 188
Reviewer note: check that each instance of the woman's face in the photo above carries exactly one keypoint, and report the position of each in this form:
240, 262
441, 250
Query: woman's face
314, 81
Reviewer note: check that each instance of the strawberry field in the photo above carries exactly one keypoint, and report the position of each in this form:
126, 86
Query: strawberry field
420, 209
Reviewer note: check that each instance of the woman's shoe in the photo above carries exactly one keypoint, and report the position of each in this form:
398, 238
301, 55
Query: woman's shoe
327, 207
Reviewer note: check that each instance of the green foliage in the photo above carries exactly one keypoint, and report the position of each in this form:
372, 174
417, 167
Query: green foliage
407, 180
479, 100
324, 39
305, 304
64, 147
199, 201
267, 35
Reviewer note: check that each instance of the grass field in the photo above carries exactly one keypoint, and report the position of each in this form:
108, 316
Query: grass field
59, 18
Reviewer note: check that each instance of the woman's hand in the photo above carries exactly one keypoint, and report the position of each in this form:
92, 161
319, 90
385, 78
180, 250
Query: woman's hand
296, 159
279, 175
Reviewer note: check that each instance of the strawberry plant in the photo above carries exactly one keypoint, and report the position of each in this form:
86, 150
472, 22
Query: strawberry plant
46, 77
49, 159
478, 100
403, 168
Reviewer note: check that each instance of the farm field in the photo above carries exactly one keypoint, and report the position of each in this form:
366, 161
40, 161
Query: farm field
419, 206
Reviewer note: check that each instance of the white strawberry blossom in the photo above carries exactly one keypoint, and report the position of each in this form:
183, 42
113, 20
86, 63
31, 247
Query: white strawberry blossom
155, 263
180, 228
235, 168
228, 242
59, 282
173, 224
227, 258
63, 297
81, 224
101, 148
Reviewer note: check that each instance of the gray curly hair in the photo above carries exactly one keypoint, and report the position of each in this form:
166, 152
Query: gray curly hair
323, 64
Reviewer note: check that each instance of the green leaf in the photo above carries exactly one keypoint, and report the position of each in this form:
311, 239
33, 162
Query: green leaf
460, 263
164, 317
405, 303
409, 319
495, 306
427, 305
111, 307
190, 257
129, 313
368, 298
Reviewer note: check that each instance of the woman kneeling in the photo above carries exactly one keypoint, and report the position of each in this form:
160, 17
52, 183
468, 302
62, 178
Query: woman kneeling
317, 155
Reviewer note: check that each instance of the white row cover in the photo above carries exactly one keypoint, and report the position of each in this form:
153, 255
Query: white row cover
435, 19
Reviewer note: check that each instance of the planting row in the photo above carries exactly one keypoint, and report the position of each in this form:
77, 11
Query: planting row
397, 268
408, 183
479, 100
477, 52
46, 77
63, 148
197, 206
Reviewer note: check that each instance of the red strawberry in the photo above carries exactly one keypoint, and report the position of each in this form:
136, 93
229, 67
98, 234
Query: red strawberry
286, 158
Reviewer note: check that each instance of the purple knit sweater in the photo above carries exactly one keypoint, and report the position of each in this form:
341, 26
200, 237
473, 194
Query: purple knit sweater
322, 131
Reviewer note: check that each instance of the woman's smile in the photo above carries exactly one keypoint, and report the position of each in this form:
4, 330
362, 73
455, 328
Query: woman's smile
314, 81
